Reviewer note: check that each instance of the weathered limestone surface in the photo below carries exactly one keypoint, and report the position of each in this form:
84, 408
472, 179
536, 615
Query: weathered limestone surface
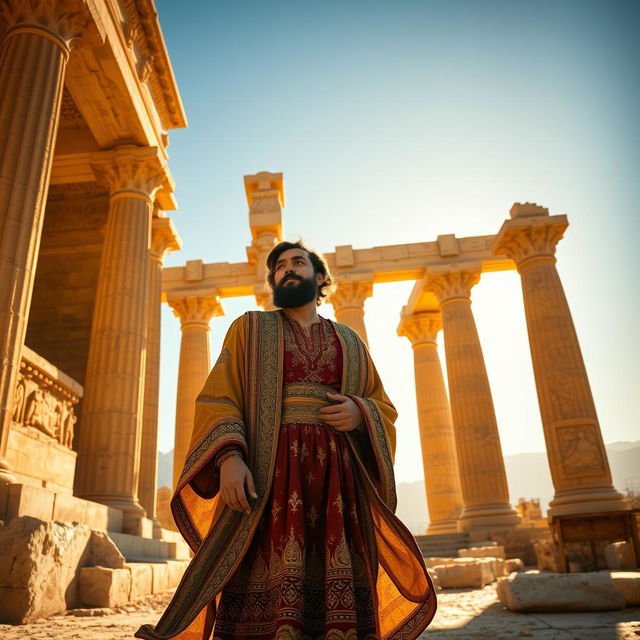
550, 592
441, 473
104, 552
477, 573
38, 567
575, 449
547, 556
102, 587
493, 551
628, 585
619, 556
513, 564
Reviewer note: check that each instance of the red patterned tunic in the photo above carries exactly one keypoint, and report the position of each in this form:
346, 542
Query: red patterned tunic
306, 574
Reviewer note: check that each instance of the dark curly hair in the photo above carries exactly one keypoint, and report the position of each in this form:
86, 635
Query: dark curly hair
325, 288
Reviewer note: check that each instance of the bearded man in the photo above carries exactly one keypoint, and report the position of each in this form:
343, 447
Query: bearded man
287, 493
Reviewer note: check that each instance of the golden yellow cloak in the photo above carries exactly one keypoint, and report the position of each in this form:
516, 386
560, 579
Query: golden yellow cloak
241, 404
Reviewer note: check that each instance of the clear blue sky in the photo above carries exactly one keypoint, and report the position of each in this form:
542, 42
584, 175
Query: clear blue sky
397, 121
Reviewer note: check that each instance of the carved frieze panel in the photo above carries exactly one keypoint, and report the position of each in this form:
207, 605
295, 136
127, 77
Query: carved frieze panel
580, 451
44, 401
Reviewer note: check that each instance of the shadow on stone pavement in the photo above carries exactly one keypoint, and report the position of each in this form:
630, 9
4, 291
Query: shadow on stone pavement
474, 614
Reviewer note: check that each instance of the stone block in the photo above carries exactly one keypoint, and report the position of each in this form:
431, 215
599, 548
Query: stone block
477, 573
160, 577
39, 564
555, 592
104, 552
492, 551
114, 519
41, 459
433, 561
25, 500
547, 556
103, 587
513, 564
97, 515
68, 508
435, 578
619, 556
141, 579
628, 585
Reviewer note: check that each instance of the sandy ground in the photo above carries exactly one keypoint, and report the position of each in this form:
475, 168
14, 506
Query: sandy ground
463, 614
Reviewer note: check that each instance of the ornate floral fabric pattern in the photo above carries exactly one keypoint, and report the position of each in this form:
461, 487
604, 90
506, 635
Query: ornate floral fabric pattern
306, 574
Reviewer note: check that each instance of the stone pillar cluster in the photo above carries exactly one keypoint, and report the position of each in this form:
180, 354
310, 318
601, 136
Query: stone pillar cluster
111, 432
575, 449
33, 60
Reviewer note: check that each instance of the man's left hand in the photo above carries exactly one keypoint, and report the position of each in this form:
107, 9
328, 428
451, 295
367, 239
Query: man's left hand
343, 415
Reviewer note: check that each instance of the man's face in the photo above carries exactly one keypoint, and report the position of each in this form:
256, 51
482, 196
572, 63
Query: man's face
296, 283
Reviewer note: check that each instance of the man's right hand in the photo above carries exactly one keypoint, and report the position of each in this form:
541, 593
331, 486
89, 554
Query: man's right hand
234, 476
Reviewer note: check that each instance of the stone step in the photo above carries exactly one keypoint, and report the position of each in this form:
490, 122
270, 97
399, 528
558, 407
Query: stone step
137, 549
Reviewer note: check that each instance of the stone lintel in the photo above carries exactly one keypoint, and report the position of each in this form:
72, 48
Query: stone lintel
393, 263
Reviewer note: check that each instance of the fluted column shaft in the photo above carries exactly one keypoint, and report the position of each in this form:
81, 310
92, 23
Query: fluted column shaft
575, 448
111, 427
482, 473
441, 474
32, 68
193, 369
163, 240
348, 305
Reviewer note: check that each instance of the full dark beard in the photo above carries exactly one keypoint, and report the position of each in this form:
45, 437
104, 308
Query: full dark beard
290, 296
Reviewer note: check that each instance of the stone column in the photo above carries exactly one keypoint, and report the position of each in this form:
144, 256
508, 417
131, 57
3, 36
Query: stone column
575, 449
441, 475
265, 197
34, 55
348, 305
195, 313
164, 239
482, 475
111, 427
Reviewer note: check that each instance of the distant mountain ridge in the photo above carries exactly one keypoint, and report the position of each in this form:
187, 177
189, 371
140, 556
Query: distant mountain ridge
527, 474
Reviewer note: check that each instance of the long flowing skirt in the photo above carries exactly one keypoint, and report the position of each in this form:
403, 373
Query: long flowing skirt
306, 574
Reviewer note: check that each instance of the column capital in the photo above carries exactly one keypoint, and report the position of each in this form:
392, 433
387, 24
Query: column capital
196, 309
451, 282
66, 23
351, 294
421, 327
164, 239
132, 171
530, 233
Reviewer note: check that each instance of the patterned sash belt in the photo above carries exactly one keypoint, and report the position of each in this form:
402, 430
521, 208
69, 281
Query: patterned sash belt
302, 401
